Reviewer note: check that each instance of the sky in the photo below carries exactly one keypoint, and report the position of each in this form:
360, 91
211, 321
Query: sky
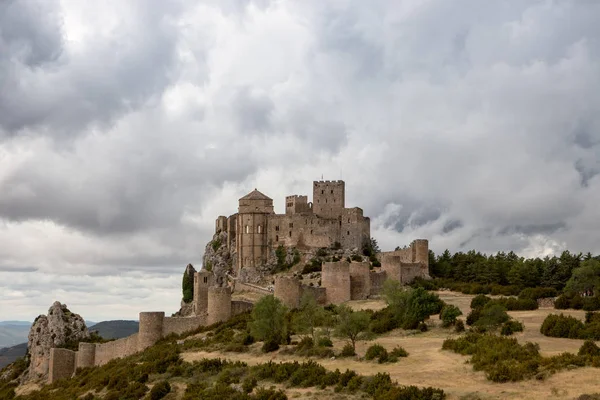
127, 127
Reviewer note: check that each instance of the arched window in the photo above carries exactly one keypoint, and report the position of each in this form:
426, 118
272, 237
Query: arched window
259, 229
247, 228
277, 238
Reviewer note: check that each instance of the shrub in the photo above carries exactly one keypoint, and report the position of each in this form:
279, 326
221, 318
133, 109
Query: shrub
325, 342
269, 346
375, 351
449, 314
398, 352
562, 326
160, 390
248, 384
348, 351
502, 359
491, 316
459, 326
510, 327
537, 293
479, 301
589, 348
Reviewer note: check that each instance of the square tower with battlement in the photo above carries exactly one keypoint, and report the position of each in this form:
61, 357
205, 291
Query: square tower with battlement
329, 198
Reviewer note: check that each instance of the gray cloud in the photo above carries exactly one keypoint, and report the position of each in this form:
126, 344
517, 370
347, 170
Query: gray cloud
126, 128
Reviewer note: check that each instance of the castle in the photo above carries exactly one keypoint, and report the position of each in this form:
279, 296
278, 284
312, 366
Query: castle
325, 222
254, 233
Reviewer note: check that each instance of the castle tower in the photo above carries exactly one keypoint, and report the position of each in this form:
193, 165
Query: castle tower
219, 304
86, 356
335, 277
329, 198
251, 230
151, 328
296, 204
420, 249
202, 281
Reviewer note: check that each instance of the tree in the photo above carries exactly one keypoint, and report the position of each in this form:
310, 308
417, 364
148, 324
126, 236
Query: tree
585, 278
187, 284
269, 322
410, 306
309, 316
352, 325
371, 248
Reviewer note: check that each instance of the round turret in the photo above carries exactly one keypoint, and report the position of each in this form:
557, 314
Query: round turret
219, 304
151, 328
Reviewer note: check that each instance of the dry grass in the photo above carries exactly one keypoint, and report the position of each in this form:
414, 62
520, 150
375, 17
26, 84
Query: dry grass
428, 365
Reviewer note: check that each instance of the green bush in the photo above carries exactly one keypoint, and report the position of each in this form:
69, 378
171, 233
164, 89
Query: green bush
160, 390
449, 314
538, 293
589, 348
375, 351
324, 342
399, 352
510, 327
572, 328
480, 301
347, 351
459, 326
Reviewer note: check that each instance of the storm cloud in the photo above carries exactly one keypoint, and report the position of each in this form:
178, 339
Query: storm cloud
126, 128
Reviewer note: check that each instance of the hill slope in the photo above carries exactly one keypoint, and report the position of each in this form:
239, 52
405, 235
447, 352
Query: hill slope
115, 329
10, 354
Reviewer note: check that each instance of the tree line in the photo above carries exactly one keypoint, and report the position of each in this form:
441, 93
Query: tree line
577, 271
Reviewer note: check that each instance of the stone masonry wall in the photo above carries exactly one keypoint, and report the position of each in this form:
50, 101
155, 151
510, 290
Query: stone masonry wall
62, 364
179, 325
119, 348
335, 277
360, 280
319, 293
289, 291
377, 279
219, 304
240, 306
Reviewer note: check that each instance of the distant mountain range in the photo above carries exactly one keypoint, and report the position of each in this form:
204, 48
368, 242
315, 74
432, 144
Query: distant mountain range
14, 333
115, 329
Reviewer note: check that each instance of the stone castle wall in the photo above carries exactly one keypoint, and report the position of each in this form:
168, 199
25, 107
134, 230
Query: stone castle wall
240, 306
289, 291
244, 286
153, 327
219, 304
124, 347
62, 364
335, 278
377, 278
179, 325
360, 280
319, 293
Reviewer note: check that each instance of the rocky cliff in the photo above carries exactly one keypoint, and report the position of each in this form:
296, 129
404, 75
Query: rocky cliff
218, 259
57, 329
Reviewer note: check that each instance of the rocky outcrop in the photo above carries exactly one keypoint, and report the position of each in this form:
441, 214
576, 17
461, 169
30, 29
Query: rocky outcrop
56, 329
218, 259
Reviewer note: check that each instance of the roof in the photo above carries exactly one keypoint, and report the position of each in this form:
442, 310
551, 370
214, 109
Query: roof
255, 195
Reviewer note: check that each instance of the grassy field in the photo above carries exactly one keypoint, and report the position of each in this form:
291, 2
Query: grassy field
428, 365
